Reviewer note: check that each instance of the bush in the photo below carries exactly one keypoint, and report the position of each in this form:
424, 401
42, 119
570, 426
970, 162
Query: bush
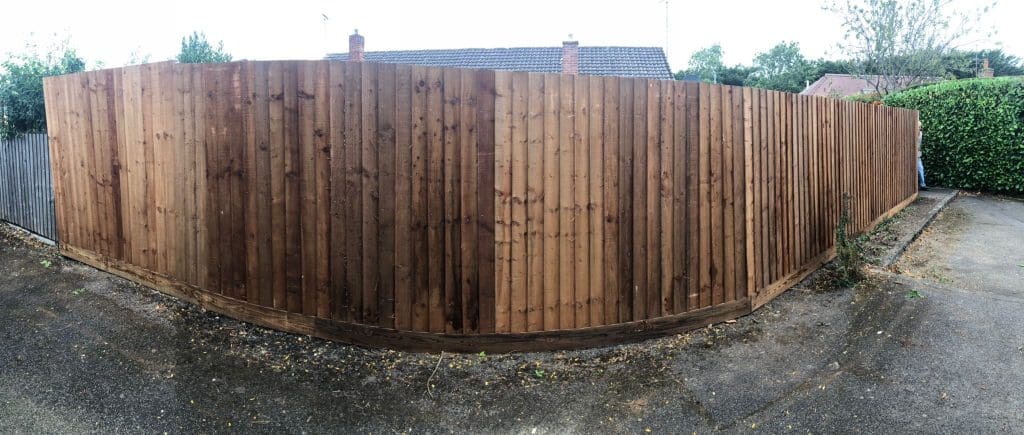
21, 87
872, 98
196, 49
973, 132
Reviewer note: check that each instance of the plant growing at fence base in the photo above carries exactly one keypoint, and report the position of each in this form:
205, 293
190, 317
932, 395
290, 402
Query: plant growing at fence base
849, 264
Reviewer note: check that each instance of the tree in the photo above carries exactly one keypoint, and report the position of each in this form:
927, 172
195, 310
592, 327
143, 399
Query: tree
821, 67
902, 41
196, 49
781, 68
706, 64
22, 108
137, 57
736, 75
965, 64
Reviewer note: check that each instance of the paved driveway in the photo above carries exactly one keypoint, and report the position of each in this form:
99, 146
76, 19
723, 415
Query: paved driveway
977, 244
85, 351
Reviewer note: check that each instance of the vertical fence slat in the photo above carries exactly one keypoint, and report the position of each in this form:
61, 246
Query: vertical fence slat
535, 198
716, 199
641, 278
728, 198
452, 154
611, 188
625, 200
680, 220
517, 223
435, 197
595, 202
580, 213
469, 284
694, 193
403, 195
550, 220
485, 118
666, 198
502, 200
420, 291
566, 197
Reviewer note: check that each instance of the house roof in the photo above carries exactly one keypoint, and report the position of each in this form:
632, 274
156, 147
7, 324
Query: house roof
646, 62
844, 85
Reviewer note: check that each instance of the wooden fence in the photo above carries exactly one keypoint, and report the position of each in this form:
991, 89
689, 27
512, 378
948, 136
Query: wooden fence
456, 209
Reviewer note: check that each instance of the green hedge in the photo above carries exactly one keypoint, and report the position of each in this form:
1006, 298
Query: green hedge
973, 132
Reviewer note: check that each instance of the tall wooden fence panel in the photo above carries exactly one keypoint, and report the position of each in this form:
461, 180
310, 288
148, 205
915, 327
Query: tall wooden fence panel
26, 190
432, 208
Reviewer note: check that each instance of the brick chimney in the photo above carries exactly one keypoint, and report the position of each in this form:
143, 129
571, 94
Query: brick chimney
570, 56
356, 42
985, 71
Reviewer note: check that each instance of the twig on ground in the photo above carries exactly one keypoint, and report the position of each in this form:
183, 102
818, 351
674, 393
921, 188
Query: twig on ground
439, 358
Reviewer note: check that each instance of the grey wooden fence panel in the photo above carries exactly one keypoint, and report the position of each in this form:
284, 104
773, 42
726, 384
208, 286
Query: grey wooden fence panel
26, 184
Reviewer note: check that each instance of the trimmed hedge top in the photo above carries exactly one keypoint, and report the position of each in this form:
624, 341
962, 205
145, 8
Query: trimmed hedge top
973, 132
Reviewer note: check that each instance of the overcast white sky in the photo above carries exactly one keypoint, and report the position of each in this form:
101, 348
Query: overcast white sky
109, 31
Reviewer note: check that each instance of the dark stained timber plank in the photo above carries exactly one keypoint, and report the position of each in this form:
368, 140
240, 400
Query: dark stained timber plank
503, 200
435, 197
469, 286
728, 199
352, 293
550, 202
595, 201
403, 199
420, 289
705, 232
666, 194
641, 277
534, 225
386, 169
566, 229
610, 194
625, 200
452, 199
518, 154
694, 193
309, 238
338, 203
485, 188
370, 174
580, 208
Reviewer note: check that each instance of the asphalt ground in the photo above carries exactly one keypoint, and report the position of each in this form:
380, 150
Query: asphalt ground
938, 347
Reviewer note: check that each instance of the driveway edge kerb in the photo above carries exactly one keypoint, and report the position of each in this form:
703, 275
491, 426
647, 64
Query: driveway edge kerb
903, 242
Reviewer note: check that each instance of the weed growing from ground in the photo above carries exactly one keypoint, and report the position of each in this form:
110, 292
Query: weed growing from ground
849, 263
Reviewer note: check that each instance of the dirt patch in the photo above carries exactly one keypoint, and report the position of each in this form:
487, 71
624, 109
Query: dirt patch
928, 256
891, 235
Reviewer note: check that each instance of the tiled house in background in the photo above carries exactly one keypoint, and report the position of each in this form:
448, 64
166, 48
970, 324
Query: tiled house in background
570, 58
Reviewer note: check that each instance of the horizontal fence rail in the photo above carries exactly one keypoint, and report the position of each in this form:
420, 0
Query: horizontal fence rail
457, 209
26, 185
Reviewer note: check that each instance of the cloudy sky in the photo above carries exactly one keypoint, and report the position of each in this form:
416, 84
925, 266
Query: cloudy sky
110, 31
